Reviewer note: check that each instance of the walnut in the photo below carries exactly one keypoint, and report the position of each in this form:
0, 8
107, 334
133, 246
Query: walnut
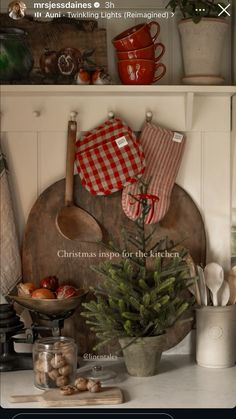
58, 361
37, 365
69, 357
53, 374
66, 370
45, 356
40, 378
81, 383
94, 386
68, 390
42, 366
61, 381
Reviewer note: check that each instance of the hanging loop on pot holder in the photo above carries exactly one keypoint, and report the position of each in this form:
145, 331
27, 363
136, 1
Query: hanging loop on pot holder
109, 157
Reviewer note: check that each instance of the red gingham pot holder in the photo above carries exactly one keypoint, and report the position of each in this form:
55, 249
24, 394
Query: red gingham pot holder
109, 157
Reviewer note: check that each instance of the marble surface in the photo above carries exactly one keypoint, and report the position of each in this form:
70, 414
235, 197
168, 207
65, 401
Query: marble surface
180, 384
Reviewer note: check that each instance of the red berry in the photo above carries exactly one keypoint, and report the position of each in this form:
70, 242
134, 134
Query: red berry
50, 282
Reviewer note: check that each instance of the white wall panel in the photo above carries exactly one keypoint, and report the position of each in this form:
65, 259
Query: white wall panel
212, 113
189, 176
216, 189
51, 158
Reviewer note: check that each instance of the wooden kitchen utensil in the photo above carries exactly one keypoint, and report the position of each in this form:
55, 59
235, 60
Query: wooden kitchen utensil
232, 285
73, 222
224, 294
202, 286
46, 251
194, 288
53, 398
214, 277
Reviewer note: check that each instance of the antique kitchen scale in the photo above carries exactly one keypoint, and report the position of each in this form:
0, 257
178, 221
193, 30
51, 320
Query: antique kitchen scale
48, 319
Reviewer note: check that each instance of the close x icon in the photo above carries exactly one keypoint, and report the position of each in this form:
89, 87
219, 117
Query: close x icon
224, 9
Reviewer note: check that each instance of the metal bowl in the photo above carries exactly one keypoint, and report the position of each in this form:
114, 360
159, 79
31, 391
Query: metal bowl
50, 307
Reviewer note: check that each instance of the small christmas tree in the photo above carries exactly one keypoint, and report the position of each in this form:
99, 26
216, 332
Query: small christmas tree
133, 300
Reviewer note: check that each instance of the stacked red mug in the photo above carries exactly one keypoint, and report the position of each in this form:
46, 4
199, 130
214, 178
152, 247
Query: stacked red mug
136, 54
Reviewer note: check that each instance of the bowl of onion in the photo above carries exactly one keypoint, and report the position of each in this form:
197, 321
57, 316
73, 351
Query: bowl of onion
49, 298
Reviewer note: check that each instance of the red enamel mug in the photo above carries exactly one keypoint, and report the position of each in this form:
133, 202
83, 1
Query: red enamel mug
140, 71
148, 53
138, 36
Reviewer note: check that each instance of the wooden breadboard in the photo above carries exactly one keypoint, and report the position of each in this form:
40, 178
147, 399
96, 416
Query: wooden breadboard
53, 398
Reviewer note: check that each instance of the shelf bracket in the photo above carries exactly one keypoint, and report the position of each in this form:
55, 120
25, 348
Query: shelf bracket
189, 105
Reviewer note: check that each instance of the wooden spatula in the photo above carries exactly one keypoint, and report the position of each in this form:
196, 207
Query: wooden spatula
232, 285
73, 222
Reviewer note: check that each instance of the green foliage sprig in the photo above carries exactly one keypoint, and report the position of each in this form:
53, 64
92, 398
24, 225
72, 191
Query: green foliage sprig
190, 8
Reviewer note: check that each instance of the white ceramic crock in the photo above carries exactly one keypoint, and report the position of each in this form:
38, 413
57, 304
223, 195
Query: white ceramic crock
216, 336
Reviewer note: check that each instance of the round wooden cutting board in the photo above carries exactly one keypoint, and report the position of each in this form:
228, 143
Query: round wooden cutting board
46, 252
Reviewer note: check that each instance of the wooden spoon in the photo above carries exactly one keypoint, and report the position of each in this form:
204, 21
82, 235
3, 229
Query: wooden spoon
194, 287
224, 294
73, 222
232, 285
214, 277
202, 286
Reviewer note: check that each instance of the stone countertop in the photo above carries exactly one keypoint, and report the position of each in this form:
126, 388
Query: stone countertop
181, 383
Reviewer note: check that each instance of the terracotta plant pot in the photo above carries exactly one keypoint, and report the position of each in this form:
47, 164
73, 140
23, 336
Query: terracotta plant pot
148, 53
202, 48
142, 357
138, 36
216, 336
140, 71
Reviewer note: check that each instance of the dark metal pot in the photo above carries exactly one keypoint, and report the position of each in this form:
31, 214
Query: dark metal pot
16, 60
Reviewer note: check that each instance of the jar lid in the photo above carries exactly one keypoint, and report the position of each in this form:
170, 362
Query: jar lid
12, 32
53, 343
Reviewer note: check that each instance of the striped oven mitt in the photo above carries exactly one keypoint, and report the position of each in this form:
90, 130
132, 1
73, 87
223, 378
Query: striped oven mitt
163, 151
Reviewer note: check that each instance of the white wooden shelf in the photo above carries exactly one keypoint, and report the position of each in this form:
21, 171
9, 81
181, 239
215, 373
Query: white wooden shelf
116, 89
187, 93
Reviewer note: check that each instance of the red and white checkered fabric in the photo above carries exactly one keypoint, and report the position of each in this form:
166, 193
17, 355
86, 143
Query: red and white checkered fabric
109, 157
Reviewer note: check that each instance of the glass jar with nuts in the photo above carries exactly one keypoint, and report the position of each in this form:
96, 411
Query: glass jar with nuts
55, 362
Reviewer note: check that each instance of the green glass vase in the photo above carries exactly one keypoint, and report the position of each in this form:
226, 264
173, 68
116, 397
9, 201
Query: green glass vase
16, 60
